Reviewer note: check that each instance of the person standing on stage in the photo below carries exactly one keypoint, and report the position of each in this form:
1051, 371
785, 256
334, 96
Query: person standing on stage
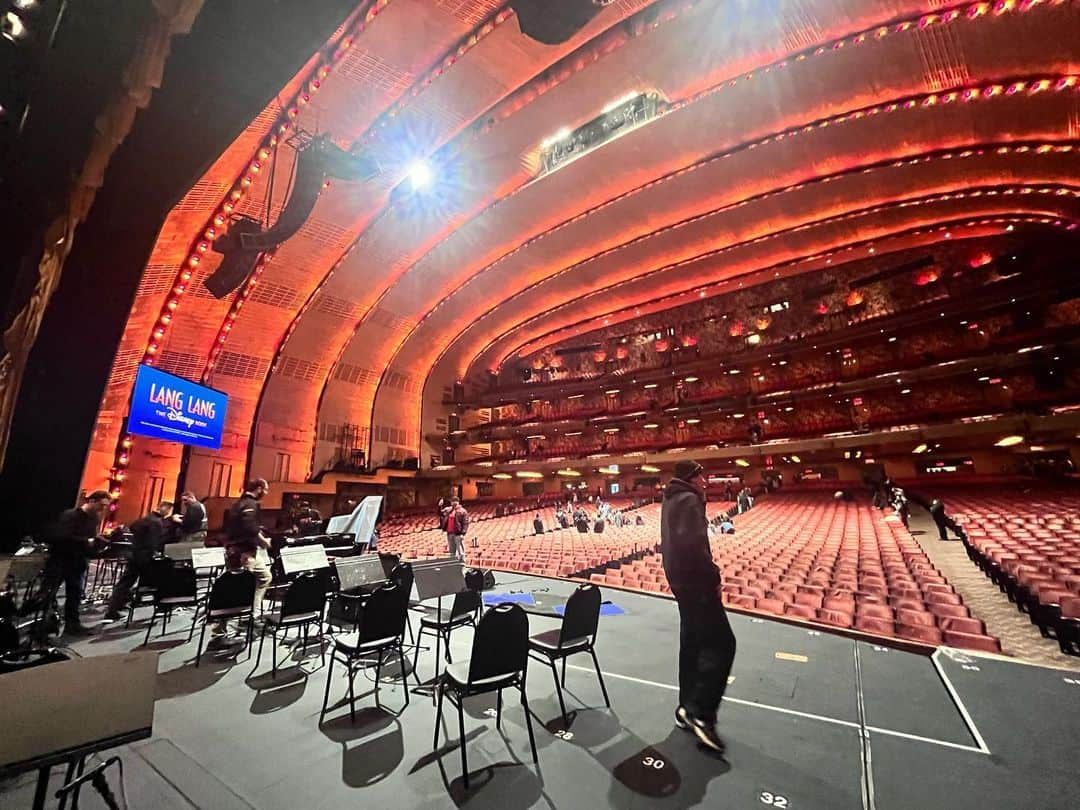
70, 542
192, 521
243, 539
457, 524
147, 540
706, 641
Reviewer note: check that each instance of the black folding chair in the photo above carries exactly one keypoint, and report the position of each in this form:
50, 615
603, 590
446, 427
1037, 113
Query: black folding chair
143, 593
382, 629
576, 635
176, 588
402, 576
462, 612
499, 660
301, 607
232, 596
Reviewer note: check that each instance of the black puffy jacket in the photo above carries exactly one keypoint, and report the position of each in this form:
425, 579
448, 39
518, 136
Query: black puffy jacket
684, 540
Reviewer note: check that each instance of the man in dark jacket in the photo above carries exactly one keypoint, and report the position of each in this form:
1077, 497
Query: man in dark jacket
706, 642
192, 522
70, 542
943, 521
147, 540
243, 538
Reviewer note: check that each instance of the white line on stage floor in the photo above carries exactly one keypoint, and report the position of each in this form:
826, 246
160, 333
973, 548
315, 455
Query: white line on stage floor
935, 658
819, 717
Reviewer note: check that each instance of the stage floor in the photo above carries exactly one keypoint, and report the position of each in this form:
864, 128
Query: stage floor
812, 720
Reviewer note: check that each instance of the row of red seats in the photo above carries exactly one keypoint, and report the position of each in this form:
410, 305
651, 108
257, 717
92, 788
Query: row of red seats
1029, 546
812, 558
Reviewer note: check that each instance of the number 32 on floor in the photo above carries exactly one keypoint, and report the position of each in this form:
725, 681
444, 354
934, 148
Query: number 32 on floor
773, 799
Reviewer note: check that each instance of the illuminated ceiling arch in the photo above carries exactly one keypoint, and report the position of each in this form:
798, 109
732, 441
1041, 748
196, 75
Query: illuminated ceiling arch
788, 137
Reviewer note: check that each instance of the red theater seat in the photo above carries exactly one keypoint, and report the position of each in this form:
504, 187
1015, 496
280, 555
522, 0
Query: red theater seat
839, 618
921, 633
971, 641
963, 625
800, 612
878, 626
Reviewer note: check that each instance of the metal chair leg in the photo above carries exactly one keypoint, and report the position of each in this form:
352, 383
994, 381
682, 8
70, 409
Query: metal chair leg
558, 689
600, 677
498, 711
202, 637
262, 638
149, 627
404, 677
326, 693
273, 651
378, 675
438, 716
352, 694
564, 672
528, 719
461, 742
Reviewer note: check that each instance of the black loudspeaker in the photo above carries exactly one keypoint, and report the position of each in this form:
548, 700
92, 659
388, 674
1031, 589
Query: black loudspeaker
236, 262
411, 463
479, 579
554, 21
231, 273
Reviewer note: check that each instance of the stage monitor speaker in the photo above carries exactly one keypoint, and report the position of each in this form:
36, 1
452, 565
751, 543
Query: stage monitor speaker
411, 463
552, 22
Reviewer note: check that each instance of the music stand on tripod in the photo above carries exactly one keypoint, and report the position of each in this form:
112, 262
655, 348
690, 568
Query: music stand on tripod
435, 579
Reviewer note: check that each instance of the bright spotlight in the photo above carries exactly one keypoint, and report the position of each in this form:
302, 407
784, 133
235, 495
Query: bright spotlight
420, 175
11, 27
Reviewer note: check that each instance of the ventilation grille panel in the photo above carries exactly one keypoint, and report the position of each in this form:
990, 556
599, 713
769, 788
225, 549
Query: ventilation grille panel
799, 25
234, 364
402, 382
371, 71
273, 295
300, 369
354, 375
182, 364
474, 12
338, 307
157, 280
942, 55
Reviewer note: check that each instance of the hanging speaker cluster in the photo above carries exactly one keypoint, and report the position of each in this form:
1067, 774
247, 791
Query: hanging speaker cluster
246, 239
555, 21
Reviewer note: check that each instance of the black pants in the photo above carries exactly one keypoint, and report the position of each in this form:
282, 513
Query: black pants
706, 652
945, 522
68, 570
135, 570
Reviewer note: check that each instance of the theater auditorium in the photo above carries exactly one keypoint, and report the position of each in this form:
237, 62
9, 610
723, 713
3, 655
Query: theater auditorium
540, 404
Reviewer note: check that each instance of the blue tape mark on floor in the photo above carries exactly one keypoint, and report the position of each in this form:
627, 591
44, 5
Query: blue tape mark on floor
605, 610
517, 598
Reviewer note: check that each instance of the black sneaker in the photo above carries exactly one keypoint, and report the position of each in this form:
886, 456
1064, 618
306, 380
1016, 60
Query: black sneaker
111, 617
705, 731
76, 629
682, 719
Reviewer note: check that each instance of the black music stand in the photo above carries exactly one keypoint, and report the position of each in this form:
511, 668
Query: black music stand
435, 579
355, 573
304, 558
40, 730
181, 552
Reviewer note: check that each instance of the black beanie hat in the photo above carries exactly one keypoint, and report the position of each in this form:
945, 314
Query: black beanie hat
687, 469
